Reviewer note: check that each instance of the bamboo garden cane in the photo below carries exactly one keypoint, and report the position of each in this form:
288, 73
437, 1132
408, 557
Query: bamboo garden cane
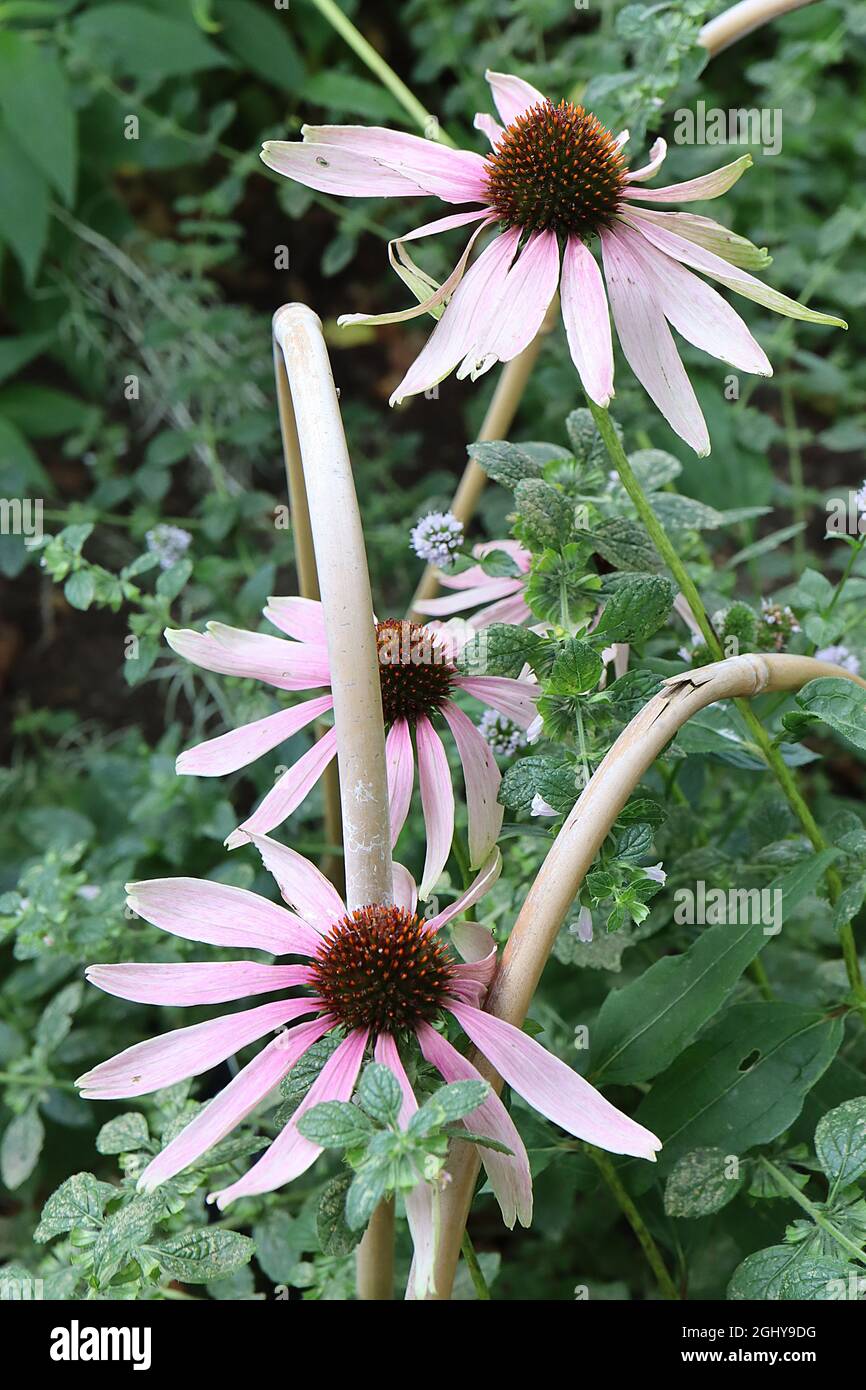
329, 532
571, 856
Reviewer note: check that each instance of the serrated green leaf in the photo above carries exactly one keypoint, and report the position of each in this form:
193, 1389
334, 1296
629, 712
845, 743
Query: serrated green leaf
123, 1135
196, 1257
20, 1147
636, 609
840, 1142
79, 1201
507, 464
379, 1094
336, 1236
335, 1124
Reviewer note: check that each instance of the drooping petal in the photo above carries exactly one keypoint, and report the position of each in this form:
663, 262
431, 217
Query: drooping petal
233, 652
587, 321
234, 1102
468, 597
405, 891
694, 309
513, 698
515, 611
301, 883
697, 190
481, 884
489, 127
208, 982
288, 793
417, 280
400, 766
509, 1174
331, 169
455, 176
524, 299
656, 160
735, 249
242, 746
419, 1202
648, 346
552, 1088
512, 95
437, 801
221, 915
456, 330
299, 618
291, 1154
482, 779
689, 253
163, 1061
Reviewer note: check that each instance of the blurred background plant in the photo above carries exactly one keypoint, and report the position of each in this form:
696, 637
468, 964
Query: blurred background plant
143, 247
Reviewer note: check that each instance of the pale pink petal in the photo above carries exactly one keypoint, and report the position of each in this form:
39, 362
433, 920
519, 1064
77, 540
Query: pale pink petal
482, 779
468, 597
515, 318
509, 1174
694, 309
291, 1154
437, 801
233, 652
163, 1061
299, 618
287, 793
587, 321
481, 884
456, 330
455, 176
656, 160
405, 267
405, 891
477, 948
513, 698
419, 1202
512, 96
400, 766
332, 169
242, 746
234, 1102
301, 883
515, 611
489, 127
691, 254
701, 189
648, 346
221, 915
735, 249
552, 1088
210, 982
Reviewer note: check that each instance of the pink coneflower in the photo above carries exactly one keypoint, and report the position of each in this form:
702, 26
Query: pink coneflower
418, 678
380, 975
502, 598
554, 179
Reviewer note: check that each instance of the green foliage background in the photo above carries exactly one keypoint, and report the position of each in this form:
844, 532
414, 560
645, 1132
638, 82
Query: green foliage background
141, 254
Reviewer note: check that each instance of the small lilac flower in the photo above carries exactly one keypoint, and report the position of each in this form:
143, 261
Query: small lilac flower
168, 543
582, 928
437, 537
840, 656
504, 736
656, 873
540, 807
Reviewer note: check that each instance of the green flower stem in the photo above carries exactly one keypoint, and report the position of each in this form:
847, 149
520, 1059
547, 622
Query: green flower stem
476, 1273
379, 68
764, 743
655, 1261
813, 1211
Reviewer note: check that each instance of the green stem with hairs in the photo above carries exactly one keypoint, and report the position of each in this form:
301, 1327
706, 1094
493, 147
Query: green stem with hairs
653, 1255
380, 69
764, 743
814, 1212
